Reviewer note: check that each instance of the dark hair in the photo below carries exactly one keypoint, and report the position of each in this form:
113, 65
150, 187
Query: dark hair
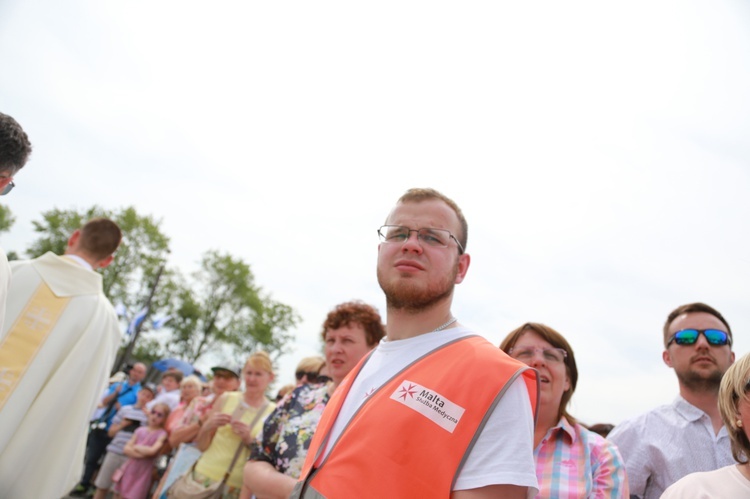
175, 375
356, 312
100, 237
558, 341
692, 308
14, 145
415, 195
602, 429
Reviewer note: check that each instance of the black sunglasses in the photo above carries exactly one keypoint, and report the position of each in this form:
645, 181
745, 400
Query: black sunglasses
311, 377
715, 337
7, 188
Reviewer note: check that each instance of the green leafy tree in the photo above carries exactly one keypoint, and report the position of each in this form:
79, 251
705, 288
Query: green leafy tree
6, 219
220, 307
147, 350
223, 307
144, 248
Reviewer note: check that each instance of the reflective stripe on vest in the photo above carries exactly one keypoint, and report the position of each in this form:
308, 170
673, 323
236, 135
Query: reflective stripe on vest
411, 437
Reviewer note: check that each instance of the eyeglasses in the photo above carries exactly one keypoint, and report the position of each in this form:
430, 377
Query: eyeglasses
323, 379
7, 188
526, 354
157, 413
438, 238
311, 377
715, 337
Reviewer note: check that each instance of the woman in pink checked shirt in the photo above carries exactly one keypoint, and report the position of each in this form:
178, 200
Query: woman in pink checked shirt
571, 461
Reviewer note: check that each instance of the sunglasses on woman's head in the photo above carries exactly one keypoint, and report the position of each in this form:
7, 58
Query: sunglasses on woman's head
311, 377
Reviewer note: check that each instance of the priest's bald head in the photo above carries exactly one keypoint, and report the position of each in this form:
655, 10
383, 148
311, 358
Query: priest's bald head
95, 242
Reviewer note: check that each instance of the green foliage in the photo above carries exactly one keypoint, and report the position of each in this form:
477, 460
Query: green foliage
144, 248
219, 308
147, 350
6, 219
224, 307
56, 227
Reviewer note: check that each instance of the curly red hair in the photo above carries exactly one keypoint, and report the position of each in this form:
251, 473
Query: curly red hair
359, 313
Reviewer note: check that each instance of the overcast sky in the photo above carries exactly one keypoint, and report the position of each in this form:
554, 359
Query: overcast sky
599, 152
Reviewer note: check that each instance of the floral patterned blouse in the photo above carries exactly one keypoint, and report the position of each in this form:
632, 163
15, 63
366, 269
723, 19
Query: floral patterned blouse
287, 432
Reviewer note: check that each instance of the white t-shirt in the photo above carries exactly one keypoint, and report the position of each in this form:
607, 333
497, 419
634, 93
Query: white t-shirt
504, 452
172, 399
724, 482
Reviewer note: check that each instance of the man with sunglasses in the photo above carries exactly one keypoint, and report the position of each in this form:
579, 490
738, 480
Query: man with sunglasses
687, 436
435, 410
15, 149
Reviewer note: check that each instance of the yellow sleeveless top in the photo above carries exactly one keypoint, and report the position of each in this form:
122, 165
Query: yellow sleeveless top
217, 458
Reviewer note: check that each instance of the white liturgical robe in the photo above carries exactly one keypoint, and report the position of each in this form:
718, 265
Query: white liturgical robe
4, 284
57, 347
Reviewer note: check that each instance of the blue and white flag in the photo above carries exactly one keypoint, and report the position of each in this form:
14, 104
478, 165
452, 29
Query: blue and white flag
157, 323
120, 310
137, 320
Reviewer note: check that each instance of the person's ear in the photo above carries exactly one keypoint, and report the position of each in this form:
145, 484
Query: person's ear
73, 239
104, 262
463, 266
666, 358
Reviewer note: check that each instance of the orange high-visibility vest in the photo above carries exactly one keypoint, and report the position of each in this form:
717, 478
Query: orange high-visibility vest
411, 437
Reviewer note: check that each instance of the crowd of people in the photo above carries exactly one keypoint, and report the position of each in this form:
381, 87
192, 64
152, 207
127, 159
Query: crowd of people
416, 405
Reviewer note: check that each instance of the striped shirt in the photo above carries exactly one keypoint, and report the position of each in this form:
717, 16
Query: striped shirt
573, 462
117, 444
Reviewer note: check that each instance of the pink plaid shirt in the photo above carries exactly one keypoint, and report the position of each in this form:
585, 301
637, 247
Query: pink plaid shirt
573, 462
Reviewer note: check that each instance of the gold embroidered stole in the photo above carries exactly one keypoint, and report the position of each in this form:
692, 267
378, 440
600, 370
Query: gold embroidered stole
26, 337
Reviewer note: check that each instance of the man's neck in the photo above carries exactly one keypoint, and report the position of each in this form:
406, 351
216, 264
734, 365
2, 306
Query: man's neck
402, 324
80, 260
706, 401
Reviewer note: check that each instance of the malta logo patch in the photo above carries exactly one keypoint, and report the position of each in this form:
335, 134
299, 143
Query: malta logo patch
429, 404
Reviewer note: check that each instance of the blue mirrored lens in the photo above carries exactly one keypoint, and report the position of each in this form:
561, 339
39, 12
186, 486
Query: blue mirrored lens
686, 336
690, 336
716, 337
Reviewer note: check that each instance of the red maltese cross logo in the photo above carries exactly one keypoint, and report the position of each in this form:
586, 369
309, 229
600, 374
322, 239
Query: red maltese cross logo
407, 391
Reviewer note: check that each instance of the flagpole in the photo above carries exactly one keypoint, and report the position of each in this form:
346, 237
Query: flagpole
125, 356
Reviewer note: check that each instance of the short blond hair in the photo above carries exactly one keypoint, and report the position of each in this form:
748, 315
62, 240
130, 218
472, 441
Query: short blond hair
192, 380
734, 386
418, 194
260, 360
310, 364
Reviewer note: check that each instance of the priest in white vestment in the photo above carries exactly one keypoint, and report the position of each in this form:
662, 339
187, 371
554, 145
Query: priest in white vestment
57, 348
